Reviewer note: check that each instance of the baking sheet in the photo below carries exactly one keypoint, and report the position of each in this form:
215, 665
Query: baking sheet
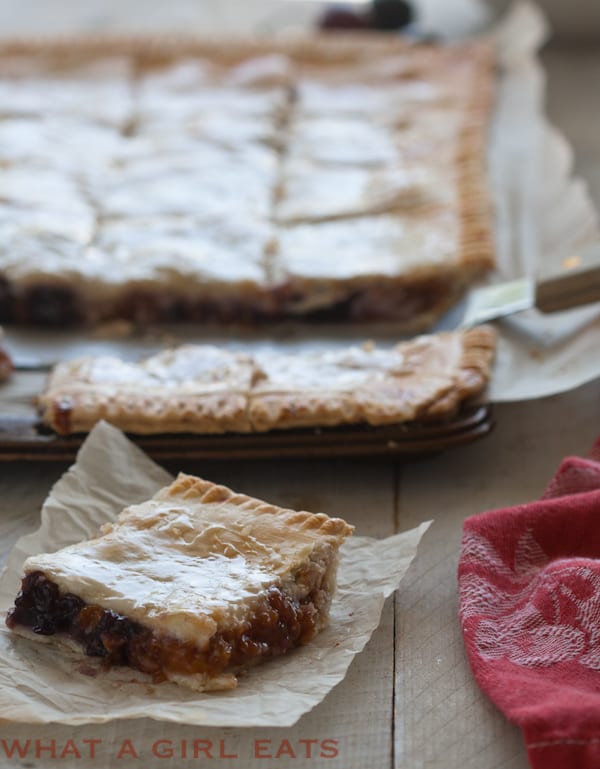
23, 438
542, 214
40, 684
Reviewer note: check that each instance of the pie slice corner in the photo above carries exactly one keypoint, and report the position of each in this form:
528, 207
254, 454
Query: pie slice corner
193, 586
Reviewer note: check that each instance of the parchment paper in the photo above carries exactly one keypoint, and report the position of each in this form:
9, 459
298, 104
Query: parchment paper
42, 682
542, 214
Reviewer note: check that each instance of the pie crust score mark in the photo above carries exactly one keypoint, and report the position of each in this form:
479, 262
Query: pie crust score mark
193, 586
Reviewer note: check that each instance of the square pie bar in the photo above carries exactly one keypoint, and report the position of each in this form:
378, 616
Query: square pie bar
204, 389
193, 586
313, 180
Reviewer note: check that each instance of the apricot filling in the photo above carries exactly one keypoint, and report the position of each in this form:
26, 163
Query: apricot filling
280, 622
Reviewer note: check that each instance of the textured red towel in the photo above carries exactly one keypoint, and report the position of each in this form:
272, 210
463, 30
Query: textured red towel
529, 584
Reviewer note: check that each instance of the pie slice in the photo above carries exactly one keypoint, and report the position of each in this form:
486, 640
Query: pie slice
204, 389
313, 192
183, 268
147, 269
193, 586
423, 379
197, 389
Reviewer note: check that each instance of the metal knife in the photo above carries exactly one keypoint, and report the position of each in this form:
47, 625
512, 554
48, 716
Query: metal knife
576, 283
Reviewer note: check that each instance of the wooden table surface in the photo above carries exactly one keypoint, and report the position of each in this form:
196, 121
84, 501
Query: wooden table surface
409, 700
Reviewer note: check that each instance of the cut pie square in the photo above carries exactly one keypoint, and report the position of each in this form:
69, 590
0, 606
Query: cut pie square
403, 270
193, 586
200, 389
191, 178
423, 379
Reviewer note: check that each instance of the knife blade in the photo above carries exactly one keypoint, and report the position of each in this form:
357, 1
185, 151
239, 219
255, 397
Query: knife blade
576, 283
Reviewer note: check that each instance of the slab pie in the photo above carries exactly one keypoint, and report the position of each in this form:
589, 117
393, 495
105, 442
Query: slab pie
193, 586
196, 141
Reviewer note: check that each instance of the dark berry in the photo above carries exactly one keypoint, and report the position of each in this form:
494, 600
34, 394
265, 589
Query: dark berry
67, 608
342, 18
389, 15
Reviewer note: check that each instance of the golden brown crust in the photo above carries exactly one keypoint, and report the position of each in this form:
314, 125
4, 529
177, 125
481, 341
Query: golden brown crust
190, 487
190, 389
477, 252
428, 377
154, 412
158, 50
478, 348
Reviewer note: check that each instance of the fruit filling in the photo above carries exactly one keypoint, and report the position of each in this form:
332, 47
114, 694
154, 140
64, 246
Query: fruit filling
279, 623
45, 305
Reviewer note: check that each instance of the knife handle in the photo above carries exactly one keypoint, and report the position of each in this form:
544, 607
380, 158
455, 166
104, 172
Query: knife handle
576, 284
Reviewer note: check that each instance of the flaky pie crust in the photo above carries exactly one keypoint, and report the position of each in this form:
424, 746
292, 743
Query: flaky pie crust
425, 378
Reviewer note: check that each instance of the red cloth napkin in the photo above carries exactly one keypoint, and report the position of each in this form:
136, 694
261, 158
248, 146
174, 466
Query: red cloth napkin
529, 585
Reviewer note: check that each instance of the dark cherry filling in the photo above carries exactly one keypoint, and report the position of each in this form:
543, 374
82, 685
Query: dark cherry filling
144, 307
279, 624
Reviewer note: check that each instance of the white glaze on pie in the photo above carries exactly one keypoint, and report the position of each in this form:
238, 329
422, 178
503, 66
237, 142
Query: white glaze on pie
219, 157
373, 247
188, 253
186, 565
313, 192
